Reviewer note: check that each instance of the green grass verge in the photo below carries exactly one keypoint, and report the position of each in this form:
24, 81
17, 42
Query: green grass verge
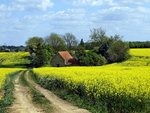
8, 98
37, 97
75, 99
82, 101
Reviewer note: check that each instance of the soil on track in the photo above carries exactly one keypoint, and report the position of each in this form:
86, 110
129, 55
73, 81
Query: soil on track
23, 102
59, 105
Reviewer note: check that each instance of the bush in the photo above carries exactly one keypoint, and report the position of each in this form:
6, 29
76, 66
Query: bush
113, 48
92, 59
117, 52
40, 54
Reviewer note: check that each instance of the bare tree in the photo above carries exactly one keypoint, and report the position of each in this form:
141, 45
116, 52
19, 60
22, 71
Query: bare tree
56, 42
70, 40
98, 35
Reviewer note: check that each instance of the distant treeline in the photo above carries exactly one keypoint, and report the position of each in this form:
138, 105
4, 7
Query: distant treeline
99, 50
133, 44
138, 44
5, 48
88, 46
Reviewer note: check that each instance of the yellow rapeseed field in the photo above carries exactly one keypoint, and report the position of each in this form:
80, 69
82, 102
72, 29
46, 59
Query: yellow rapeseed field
3, 74
113, 79
125, 84
140, 52
13, 58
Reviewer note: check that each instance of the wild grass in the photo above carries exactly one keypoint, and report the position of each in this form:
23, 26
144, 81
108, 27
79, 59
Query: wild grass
37, 97
7, 99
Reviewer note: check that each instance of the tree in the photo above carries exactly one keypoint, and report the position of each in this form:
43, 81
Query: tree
118, 51
112, 48
49, 52
40, 54
56, 42
80, 51
33, 43
138, 44
40, 58
89, 58
106, 43
98, 36
70, 40
93, 59
82, 44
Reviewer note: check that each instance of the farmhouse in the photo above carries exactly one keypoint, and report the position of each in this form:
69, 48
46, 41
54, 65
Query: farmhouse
63, 58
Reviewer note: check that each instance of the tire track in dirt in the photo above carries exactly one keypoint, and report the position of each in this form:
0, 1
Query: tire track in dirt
59, 105
23, 101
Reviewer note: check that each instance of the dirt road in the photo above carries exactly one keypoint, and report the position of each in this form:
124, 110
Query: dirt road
59, 105
23, 101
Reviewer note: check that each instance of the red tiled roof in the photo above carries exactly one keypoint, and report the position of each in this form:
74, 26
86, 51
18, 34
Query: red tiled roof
65, 55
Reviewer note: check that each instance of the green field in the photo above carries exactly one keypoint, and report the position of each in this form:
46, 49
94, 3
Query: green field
122, 87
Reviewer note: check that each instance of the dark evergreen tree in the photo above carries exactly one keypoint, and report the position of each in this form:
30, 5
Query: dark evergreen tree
82, 43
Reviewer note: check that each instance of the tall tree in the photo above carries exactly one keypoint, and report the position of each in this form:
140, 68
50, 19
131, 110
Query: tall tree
82, 44
70, 40
118, 51
33, 43
55, 41
112, 48
98, 36
39, 53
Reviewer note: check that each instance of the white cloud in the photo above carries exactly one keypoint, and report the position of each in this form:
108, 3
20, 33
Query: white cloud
130, 2
45, 4
125, 14
69, 16
109, 2
138, 2
22, 5
2, 7
122, 17
33, 4
93, 2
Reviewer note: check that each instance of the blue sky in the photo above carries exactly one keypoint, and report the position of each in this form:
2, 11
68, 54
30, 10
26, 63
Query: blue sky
22, 19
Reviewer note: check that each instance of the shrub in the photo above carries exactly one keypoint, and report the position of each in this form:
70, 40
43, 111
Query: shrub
118, 51
91, 59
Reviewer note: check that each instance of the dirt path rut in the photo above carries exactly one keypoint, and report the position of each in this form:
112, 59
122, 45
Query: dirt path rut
23, 102
59, 105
